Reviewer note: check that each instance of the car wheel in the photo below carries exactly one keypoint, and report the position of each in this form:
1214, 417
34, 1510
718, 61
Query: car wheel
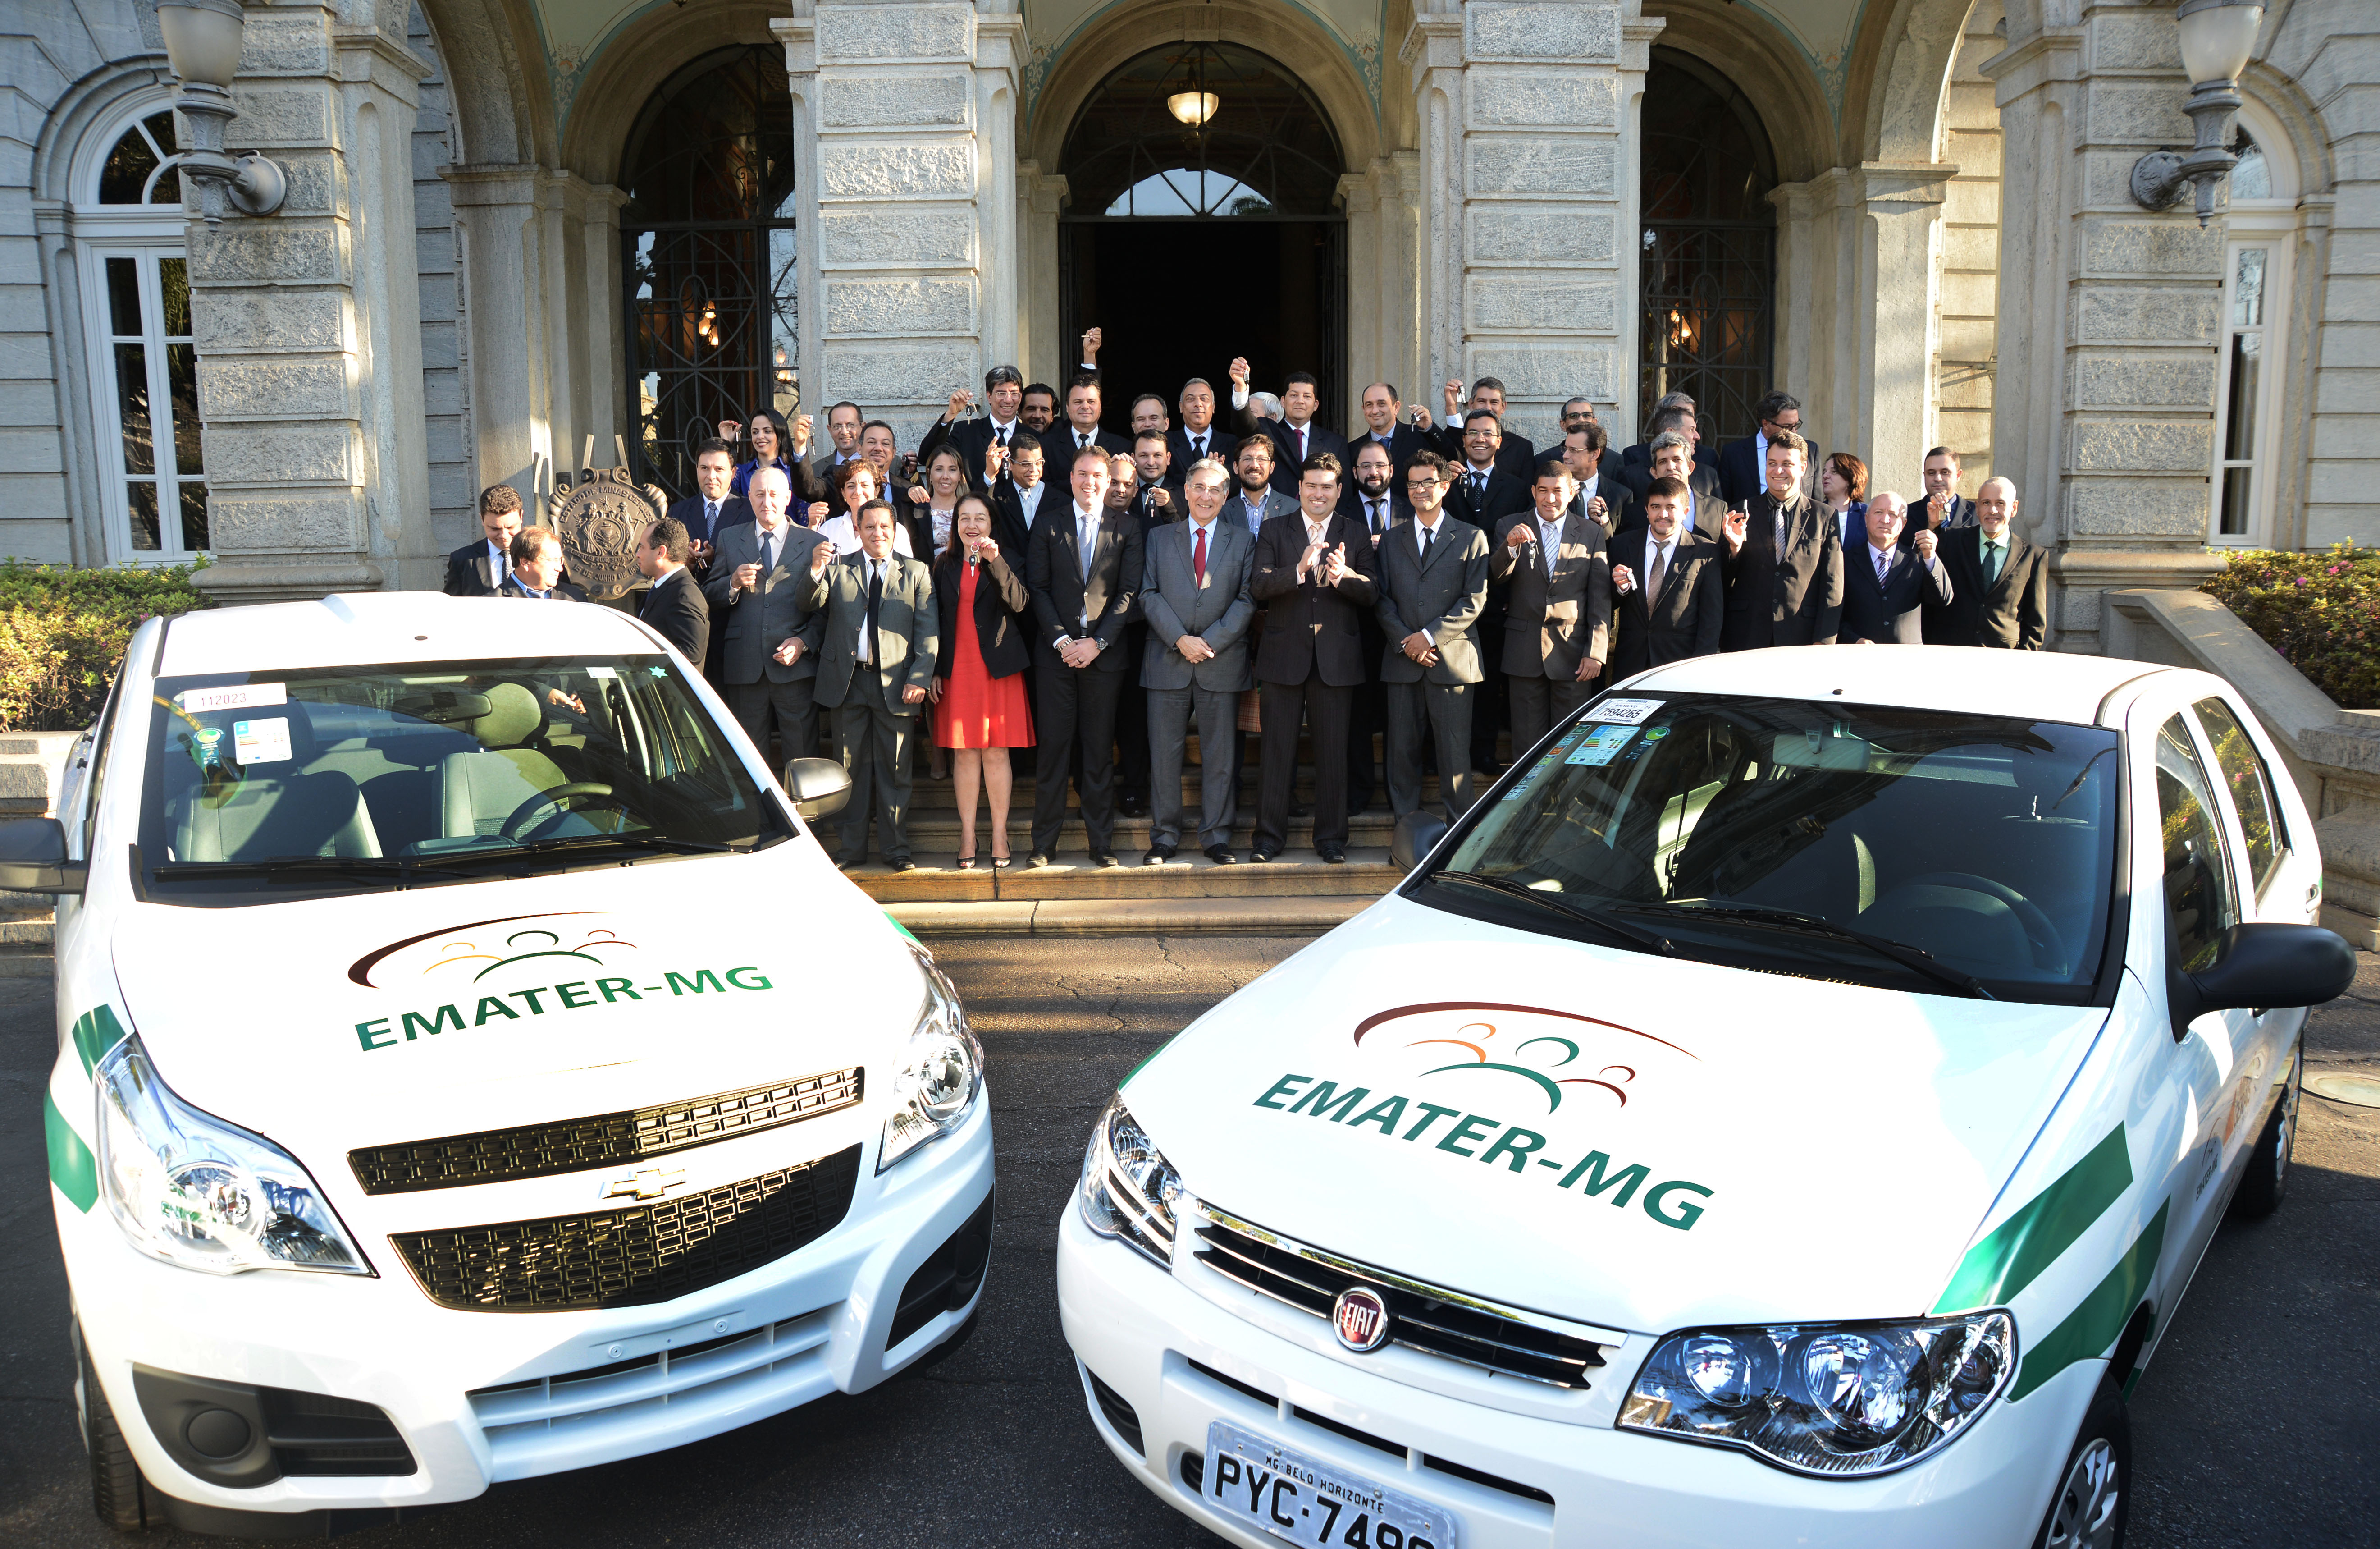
2093, 1499
2268, 1165
119, 1493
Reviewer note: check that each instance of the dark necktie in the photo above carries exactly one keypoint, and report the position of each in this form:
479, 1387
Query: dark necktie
1478, 490
1426, 534
1002, 436
875, 603
1197, 447
1992, 555
1372, 516
1198, 556
767, 554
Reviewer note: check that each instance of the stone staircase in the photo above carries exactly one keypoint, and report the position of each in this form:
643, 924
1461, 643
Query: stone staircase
32, 766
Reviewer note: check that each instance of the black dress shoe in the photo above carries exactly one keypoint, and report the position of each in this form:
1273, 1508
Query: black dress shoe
1332, 855
1134, 806
850, 863
1104, 858
1259, 857
1222, 854
1300, 809
1038, 858
1158, 855
904, 864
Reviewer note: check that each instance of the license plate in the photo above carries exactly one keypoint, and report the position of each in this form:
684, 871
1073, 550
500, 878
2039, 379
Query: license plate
1297, 1498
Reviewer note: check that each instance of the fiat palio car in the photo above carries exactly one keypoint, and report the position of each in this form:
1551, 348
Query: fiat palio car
471, 1068
1786, 1109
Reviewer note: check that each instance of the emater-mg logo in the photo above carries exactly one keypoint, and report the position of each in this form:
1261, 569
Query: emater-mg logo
1560, 1055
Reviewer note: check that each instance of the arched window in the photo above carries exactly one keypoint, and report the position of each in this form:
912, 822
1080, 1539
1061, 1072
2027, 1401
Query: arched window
2260, 247
1708, 267
141, 360
1203, 130
708, 230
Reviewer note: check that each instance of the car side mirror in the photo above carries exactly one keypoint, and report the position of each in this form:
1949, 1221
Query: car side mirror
2260, 966
34, 858
819, 787
1417, 832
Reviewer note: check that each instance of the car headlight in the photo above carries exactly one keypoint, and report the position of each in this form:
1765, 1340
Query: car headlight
1844, 1400
193, 1191
1129, 1189
942, 1070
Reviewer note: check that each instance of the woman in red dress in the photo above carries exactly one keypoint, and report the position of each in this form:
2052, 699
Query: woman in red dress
978, 691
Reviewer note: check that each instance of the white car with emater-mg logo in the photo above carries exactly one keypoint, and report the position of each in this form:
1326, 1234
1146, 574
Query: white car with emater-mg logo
471, 1068
1786, 1109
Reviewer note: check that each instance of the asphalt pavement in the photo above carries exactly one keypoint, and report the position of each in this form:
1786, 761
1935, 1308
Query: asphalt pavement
2258, 1424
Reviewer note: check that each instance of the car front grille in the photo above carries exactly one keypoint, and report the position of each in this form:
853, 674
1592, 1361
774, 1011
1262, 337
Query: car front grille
627, 1258
600, 1139
1430, 1319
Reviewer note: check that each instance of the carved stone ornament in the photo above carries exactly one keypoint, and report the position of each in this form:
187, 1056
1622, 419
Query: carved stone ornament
598, 523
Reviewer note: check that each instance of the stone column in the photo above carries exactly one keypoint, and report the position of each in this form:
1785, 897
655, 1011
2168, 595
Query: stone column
310, 358
1897, 264
2108, 313
1531, 197
1039, 199
502, 239
1384, 301
905, 138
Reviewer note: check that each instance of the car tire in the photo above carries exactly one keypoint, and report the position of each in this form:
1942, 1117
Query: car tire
2267, 1179
118, 1492
2093, 1499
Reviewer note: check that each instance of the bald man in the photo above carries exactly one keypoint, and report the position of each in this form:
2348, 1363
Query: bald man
2001, 583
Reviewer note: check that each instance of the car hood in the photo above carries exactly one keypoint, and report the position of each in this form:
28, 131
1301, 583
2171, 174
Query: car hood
388, 1017
1632, 1141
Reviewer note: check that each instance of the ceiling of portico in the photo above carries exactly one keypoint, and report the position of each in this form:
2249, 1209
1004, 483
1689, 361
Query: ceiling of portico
1053, 26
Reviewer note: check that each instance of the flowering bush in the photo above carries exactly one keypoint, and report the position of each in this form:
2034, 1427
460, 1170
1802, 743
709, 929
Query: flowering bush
2320, 611
63, 633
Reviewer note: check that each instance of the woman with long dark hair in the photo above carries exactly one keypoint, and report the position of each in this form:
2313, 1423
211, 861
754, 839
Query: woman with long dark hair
772, 447
978, 688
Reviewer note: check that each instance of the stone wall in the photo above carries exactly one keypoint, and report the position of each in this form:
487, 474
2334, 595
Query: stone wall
1971, 253
445, 400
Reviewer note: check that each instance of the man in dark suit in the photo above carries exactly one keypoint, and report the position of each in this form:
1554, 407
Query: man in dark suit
710, 508
844, 422
1382, 412
1944, 511
1784, 566
1083, 569
1082, 426
1515, 453
769, 657
1295, 436
1371, 500
1316, 575
674, 604
1887, 589
1554, 571
1672, 597
1637, 464
1433, 585
537, 569
1601, 496
1672, 411
1999, 583
1483, 494
1743, 464
1003, 396
1193, 596
1147, 508
1158, 496
1256, 502
1673, 458
1018, 491
477, 569
881, 633
1577, 414
1199, 436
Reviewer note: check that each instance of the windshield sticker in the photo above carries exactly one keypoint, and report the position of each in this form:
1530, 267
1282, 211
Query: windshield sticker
603, 672
261, 741
1625, 712
1601, 746
244, 696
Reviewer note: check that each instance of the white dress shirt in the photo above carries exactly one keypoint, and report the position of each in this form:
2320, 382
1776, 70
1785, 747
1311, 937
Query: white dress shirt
501, 558
1028, 500
839, 531
869, 570
1425, 532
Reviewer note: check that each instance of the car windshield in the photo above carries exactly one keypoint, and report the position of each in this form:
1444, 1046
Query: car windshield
331, 779
1905, 849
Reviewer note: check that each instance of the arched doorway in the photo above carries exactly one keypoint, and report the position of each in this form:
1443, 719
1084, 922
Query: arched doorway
709, 262
1708, 269
1203, 180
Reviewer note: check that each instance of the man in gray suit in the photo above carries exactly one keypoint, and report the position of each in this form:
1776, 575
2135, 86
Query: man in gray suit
759, 573
1433, 584
1558, 614
881, 633
1194, 597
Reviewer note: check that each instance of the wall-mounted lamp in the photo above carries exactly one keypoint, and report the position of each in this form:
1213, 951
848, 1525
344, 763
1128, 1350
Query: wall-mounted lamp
2217, 36
1193, 108
202, 45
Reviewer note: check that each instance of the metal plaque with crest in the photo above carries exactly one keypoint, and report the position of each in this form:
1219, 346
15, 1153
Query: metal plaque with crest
598, 523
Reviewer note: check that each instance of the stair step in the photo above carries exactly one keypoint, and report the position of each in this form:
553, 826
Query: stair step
1367, 872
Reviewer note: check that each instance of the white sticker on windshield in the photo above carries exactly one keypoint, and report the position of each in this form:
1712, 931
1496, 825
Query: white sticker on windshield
603, 672
260, 741
1602, 745
1625, 712
244, 696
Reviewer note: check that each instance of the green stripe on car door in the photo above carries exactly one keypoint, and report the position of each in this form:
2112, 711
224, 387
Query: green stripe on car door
2028, 1242
2094, 1324
72, 1167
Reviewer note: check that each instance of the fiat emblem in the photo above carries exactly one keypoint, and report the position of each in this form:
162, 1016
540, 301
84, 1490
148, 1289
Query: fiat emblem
1360, 1319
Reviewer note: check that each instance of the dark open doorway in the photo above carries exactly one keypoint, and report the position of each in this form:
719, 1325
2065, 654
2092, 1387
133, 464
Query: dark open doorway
1203, 224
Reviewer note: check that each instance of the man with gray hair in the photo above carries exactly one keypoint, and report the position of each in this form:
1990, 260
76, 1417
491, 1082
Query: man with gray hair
1194, 598
1887, 589
2002, 582
1671, 411
760, 577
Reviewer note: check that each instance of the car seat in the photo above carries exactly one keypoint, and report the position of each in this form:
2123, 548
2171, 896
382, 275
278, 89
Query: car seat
480, 788
274, 810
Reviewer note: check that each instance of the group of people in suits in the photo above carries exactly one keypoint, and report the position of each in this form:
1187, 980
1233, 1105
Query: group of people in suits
1030, 579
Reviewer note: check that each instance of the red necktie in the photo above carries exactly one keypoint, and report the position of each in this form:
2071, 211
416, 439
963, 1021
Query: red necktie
1198, 556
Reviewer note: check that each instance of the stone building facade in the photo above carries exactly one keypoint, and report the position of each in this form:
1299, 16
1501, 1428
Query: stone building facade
505, 255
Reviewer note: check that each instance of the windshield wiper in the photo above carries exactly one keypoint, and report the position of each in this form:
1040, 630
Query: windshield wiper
1915, 958
1635, 934
307, 865
592, 841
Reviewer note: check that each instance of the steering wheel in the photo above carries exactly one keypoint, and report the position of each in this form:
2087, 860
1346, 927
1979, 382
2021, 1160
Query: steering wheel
517, 823
2048, 946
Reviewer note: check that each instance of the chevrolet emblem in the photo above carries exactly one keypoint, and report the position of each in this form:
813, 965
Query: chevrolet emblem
649, 1184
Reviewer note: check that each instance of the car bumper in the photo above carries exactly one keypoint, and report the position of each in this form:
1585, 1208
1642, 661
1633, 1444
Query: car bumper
1145, 1335
479, 1398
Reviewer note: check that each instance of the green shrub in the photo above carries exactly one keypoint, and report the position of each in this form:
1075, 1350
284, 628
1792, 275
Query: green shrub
2320, 611
63, 633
